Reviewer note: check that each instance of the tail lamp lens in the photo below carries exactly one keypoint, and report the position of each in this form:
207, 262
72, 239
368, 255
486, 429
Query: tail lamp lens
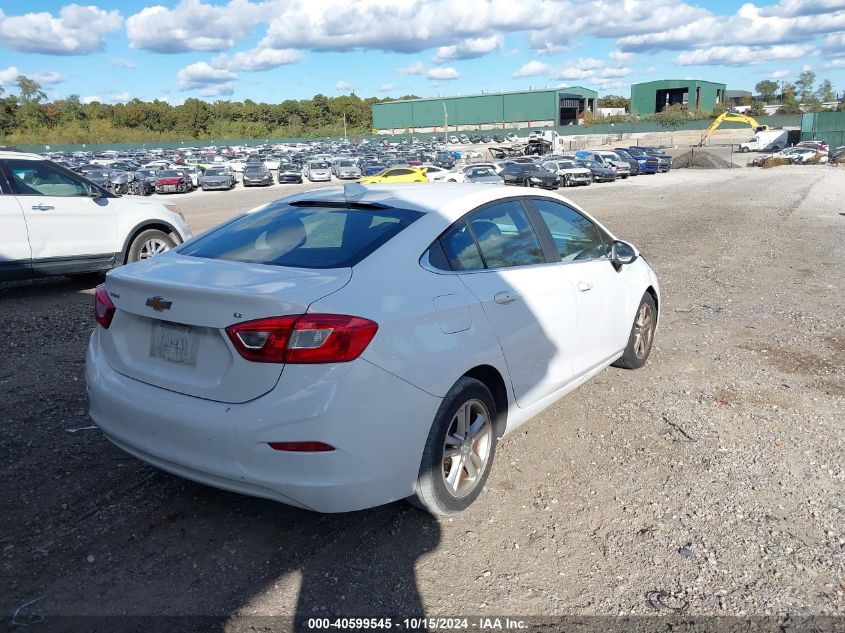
104, 309
303, 338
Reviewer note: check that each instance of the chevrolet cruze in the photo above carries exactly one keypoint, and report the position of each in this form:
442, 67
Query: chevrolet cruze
348, 347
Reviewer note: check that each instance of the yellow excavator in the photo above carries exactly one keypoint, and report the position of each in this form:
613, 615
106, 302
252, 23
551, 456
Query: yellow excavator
731, 116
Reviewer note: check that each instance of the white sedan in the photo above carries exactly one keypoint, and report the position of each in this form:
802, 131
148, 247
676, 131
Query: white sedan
347, 347
458, 174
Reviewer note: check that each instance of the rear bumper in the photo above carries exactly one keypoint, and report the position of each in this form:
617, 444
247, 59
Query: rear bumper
376, 422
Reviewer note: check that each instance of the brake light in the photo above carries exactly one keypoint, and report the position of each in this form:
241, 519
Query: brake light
103, 307
303, 338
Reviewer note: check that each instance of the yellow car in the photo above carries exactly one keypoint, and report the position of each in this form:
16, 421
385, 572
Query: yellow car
397, 174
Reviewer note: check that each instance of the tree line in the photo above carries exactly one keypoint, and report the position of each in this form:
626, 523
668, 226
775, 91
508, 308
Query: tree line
28, 118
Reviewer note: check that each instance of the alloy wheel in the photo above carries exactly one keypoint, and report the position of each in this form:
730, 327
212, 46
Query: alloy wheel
466, 448
152, 247
643, 330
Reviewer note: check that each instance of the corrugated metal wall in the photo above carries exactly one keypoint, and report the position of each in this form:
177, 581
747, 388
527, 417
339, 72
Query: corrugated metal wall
824, 126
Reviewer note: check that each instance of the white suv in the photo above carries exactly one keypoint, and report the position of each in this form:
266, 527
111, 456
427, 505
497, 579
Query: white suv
55, 222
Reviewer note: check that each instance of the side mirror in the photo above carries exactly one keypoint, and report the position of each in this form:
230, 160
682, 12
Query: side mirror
94, 193
622, 253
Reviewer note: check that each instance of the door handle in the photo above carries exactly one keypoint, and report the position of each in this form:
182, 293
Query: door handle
42, 207
504, 298
584, 286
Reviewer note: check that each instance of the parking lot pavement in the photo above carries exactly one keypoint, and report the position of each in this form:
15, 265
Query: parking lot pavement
714, 474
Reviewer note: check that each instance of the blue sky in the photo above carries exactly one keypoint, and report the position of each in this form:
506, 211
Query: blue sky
271, 50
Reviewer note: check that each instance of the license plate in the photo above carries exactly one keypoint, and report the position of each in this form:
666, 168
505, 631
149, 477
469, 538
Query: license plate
174, 343
169, 188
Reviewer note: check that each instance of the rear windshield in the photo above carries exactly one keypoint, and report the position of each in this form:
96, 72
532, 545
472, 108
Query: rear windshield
303, 237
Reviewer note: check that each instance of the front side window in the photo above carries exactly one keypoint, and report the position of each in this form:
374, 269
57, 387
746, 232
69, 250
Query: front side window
303, 236
575, 236
40, 178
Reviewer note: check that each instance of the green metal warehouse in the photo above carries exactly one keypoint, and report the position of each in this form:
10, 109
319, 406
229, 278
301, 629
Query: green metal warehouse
503, 110
651, 97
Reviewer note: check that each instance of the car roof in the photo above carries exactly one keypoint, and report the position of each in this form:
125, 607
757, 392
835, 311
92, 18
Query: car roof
450, 200
21, 155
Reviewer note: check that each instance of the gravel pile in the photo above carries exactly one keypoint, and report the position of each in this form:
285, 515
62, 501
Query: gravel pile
701, 159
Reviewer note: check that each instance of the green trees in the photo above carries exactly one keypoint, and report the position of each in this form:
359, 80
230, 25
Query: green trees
30, 119
614, 101
672, 116
767, 89
30, 114
804, 85
825, 91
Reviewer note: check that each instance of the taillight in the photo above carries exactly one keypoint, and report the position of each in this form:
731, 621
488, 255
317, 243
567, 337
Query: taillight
303, 338
103, 307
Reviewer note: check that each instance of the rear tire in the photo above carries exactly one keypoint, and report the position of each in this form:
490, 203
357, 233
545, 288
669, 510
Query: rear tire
459, 450
642, 335
148, 243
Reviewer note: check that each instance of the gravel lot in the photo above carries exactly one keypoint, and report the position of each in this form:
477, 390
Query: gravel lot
714, 474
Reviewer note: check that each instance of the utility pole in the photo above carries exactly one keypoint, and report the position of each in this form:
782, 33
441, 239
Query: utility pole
445, 125
344, 127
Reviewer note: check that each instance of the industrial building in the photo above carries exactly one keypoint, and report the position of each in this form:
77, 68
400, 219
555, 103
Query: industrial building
652, 96
503, 110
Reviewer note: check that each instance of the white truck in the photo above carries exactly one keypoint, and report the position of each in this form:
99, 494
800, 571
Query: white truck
766, 141
545, 142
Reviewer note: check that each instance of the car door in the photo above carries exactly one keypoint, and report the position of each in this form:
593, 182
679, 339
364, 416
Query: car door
15, 252
68, 229
531, 309
601, 290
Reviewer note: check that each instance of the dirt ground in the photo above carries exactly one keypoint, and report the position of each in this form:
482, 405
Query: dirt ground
714, 474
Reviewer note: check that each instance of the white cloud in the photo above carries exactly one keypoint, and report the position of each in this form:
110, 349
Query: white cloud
122, 62
779, 74
741, 55
203, 75
834, 44
92, 99
195, 26
619, 56
218, 90
122, 97
470, 48
836, 63
257, 59
803, 7
611, 85
9, 76
612, 72
416, 68
532, 69
387, 87
588, 63
571, 73
446, 73
344, 86
50, 78
77, 31
751, 25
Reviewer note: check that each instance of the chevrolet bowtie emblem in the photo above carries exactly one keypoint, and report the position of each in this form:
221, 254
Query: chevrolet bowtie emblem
159, 304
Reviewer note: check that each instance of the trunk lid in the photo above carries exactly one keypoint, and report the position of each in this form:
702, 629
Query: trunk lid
172, 311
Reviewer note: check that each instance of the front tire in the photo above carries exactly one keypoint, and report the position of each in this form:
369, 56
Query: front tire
148, 243
642, 335
459, 450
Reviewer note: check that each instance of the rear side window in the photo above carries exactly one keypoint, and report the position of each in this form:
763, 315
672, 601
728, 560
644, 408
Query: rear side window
499, 236
304, 236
